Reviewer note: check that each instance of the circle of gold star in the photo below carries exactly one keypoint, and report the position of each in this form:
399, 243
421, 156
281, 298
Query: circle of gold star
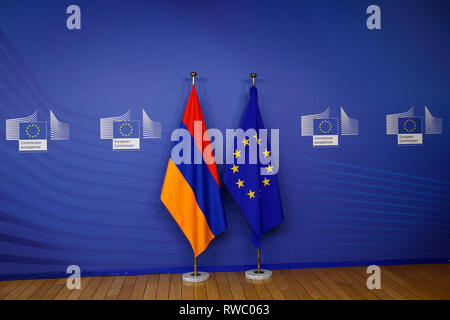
29, 127
408, 128
122, 126
330, 126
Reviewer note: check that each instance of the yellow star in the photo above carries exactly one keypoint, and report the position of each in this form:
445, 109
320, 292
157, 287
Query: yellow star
269, 168
256, 137
266, 182
245, 142
237, 154
251, 194
266, 153
235, 168
240, 183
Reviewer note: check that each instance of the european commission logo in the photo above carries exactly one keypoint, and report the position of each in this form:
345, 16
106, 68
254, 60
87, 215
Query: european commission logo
326, 130
410, 131
126, 134
33, 134
409, 128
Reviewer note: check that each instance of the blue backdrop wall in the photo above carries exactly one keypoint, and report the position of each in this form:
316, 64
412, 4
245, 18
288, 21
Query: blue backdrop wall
366, 201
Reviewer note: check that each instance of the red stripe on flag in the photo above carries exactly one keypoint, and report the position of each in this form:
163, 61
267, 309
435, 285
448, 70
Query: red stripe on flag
192, 113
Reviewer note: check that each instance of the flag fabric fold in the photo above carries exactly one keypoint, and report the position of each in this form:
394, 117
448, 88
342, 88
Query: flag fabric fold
191, 192
257, 195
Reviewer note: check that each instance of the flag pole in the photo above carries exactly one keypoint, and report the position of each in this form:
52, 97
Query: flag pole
259, 260
257, 274
193, 75
196, 276
195, 266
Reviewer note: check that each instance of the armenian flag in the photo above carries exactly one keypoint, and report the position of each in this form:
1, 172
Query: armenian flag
191, 191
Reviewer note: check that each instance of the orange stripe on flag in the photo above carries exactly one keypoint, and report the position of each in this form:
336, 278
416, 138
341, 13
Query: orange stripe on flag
179, 199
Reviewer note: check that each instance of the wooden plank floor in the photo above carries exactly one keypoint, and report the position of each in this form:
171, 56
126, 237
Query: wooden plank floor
405, 282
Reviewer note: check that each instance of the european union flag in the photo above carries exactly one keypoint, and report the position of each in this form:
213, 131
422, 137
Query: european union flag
258, 196
126, 129
409, 125
33, 130
325, 127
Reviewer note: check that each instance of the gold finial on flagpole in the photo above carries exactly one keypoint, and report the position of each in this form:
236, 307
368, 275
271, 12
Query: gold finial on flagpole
193, 75
253, 75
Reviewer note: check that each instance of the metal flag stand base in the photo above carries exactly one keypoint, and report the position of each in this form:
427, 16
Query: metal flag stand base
261, 275
196, 276
191, 277
258, 274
